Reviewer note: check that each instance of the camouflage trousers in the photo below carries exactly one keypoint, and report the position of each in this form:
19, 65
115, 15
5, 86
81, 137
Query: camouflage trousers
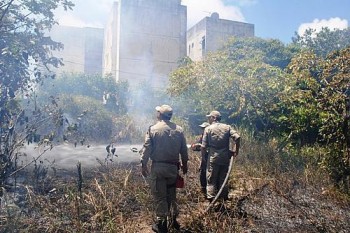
163, 187
216, 175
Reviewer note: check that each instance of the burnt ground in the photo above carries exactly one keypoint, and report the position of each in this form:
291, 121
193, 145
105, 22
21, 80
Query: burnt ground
269, 205
301, 209
256, 205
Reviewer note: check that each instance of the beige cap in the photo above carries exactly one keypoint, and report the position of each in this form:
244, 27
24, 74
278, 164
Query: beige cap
165, 110
204, 125
214, 114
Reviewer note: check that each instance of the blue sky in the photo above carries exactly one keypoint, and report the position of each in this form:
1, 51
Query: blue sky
277, 19
281, 18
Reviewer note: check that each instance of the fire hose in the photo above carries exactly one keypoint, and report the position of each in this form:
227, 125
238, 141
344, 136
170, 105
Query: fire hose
222, 186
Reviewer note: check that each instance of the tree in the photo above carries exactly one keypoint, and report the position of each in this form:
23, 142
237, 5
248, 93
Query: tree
323, 42
24, 46
104, 89
319, 100
243, 81
334, 103
302, 114
272, 52
87, 119
24, 58
90, 104
303, 104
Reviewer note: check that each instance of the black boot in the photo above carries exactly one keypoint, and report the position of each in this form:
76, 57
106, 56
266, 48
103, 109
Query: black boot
175, 224
160, 227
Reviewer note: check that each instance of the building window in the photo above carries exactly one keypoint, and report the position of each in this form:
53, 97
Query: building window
203, 45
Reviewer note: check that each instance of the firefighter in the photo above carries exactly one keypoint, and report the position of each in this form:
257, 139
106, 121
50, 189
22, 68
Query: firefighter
203, 166
221, 142
164, 144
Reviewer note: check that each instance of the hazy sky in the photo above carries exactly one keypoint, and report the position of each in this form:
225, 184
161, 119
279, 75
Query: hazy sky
277, 19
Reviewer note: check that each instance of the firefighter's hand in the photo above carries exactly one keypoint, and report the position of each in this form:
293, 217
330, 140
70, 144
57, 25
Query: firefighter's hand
233, 154
144, 171
184, 168
196, 147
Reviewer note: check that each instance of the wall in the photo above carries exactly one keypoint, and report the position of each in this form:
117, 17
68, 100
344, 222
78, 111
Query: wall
211, 33
110, 43
82, 51
151, 38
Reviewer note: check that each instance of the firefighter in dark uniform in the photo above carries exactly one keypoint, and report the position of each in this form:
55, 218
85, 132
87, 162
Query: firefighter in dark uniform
221, 142
165, 145
203, 166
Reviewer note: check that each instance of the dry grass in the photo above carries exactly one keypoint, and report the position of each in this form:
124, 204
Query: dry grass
270, 192
111, 200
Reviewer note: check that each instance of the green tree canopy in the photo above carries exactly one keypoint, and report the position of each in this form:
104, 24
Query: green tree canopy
243, 81
23, 45
323, 42
319, 103
90, 105
25, 52
104, 89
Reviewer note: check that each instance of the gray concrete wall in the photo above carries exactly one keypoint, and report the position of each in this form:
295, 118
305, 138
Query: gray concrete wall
196, 37
151, 38
111, 42
93, 50
211, 33
82, 51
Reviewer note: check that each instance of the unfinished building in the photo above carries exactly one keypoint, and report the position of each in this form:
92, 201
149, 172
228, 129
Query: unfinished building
144, 41
211, 33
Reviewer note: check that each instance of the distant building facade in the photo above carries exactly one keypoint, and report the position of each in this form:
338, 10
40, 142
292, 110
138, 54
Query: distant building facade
82, 51
144, 40
211, 33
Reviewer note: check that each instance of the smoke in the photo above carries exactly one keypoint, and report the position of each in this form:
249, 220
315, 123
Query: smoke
91, 13
67, 156
150, 64
148, 51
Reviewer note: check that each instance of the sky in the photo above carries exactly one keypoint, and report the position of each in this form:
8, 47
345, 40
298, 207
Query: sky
272, 19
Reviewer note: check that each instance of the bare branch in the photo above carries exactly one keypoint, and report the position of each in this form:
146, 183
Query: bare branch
5, 11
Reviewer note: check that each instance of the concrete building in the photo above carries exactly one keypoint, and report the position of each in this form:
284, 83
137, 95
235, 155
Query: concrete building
82, 51
144, 40
211, 33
